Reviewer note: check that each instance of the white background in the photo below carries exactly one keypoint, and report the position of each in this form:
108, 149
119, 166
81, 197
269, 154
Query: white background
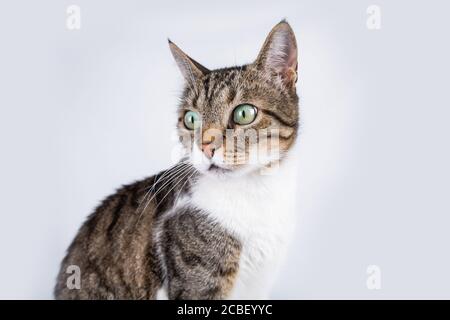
85, 111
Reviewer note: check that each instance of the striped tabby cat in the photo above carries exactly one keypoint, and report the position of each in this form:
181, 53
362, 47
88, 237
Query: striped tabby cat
216, 224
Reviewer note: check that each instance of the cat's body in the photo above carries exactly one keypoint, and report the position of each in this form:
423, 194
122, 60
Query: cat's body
212, 230
123, 255
260, 212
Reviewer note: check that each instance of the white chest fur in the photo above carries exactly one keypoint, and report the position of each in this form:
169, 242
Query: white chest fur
258, 210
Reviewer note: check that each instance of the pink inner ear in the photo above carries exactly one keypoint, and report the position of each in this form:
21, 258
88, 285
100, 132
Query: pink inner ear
289, 74
282, 55
292, 61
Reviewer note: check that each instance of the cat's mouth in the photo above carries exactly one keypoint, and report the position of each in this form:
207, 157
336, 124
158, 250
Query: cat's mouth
216, 168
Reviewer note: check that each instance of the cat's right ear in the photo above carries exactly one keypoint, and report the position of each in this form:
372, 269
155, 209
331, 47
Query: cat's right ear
278, 55
191, 69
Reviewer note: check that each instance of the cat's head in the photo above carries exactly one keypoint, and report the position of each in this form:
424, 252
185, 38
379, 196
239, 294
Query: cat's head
238, 120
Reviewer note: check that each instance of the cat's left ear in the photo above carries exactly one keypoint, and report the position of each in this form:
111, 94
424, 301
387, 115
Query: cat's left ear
278, 55
191, 69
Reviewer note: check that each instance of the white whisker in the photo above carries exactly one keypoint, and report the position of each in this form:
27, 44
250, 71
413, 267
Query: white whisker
186, 173
165, 175
181, 189
176, 174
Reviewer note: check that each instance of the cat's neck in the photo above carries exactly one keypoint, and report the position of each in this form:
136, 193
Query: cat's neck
267, 178
252, 203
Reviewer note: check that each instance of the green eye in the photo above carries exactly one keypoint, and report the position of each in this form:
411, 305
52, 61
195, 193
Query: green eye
191, 120
244, 114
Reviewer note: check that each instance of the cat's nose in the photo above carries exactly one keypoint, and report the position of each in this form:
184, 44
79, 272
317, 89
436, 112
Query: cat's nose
208, 149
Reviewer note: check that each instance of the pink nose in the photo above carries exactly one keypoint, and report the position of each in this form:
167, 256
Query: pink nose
208, 149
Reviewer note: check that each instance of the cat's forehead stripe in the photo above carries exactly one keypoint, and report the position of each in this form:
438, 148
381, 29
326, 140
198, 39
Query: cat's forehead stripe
218, 81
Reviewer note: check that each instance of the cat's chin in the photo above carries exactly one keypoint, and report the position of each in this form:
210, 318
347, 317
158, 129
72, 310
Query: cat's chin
213, 170
219, 172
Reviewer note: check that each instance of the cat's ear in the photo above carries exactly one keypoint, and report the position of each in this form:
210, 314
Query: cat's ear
191, 69
278, 55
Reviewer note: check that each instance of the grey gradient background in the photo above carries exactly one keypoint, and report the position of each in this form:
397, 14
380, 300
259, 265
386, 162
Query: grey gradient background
85, 111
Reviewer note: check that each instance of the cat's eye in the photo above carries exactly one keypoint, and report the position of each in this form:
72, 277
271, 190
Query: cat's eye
244, 114
191, 120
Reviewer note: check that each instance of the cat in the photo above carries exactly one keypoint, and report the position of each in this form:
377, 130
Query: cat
215, 225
